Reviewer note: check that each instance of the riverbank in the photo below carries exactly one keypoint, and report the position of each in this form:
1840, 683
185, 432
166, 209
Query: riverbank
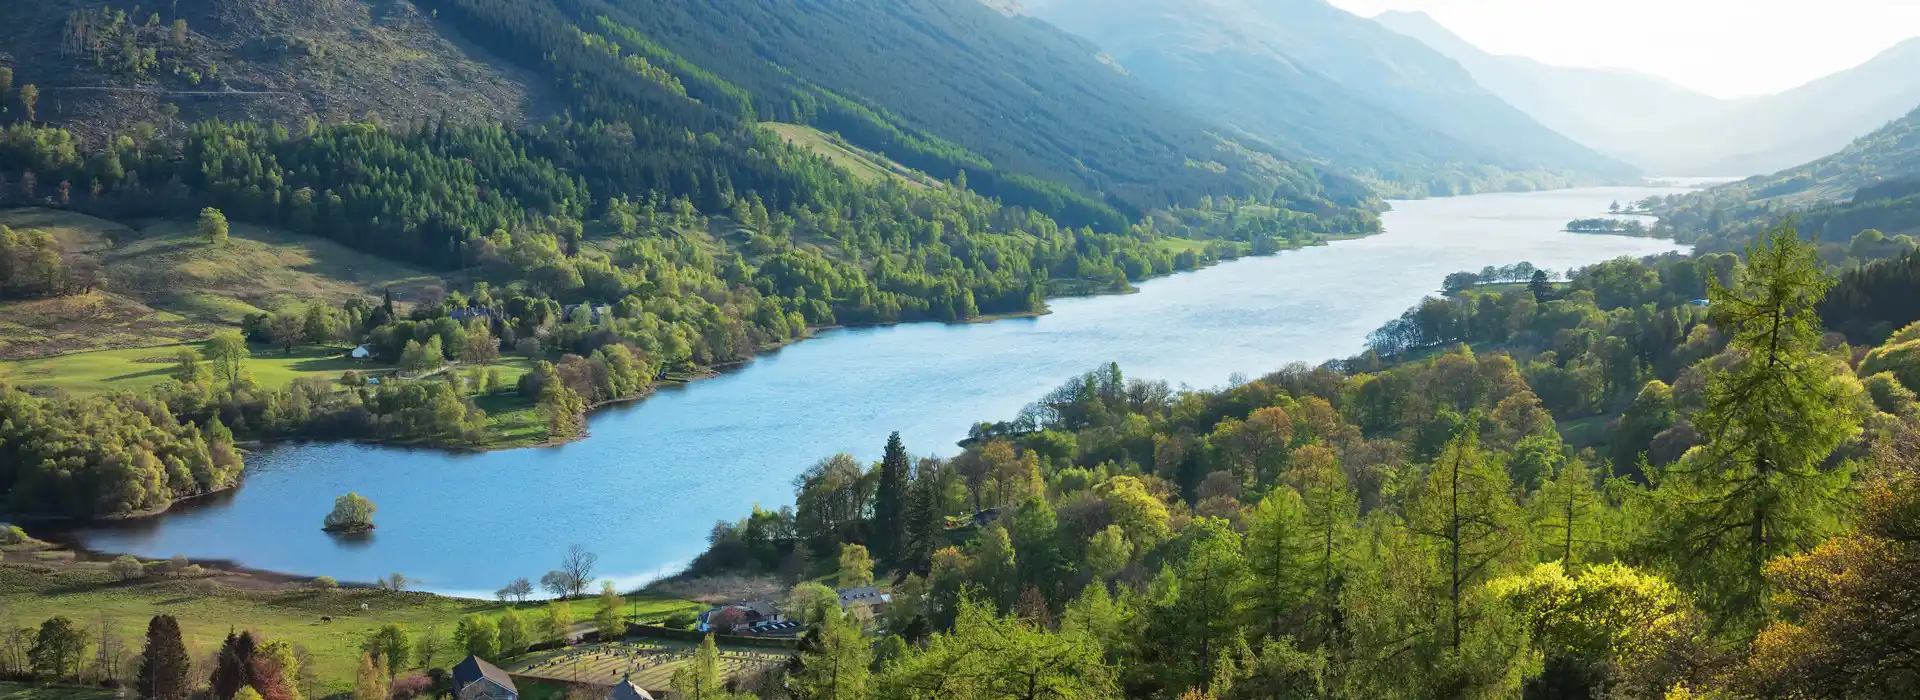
513, 422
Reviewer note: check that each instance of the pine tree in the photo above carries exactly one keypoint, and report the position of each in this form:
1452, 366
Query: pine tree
890, 500
233, 668
1757, 488
923, 525
165, 669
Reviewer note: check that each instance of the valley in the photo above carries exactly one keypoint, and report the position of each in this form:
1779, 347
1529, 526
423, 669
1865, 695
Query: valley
732, 441
908, 349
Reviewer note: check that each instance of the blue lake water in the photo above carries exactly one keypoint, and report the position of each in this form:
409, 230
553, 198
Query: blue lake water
645, 489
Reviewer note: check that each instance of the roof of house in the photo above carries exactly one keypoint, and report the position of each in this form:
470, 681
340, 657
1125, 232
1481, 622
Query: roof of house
473, 668
860, 594
759, 607
626, 690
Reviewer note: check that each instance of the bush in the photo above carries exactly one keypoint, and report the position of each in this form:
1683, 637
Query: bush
681, 620
193, 571
325, 583
178, 563
12, 534
127, 568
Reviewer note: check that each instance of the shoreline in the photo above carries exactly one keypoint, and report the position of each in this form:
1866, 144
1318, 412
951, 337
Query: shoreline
1320, 241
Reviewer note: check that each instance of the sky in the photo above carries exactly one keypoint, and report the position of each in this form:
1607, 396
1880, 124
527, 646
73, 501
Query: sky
1727, 48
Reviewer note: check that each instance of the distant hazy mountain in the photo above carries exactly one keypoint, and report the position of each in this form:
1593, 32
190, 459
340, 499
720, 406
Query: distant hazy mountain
1315, 79
1872, 183
1603, 108
1670, 130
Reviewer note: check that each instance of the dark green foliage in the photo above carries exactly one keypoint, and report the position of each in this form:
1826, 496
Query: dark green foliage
890, 500
57, 648
233, 666
165, 668
1871, 302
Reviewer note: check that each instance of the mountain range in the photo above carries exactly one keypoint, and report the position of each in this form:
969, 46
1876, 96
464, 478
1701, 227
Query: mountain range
1321, 82
1666, 129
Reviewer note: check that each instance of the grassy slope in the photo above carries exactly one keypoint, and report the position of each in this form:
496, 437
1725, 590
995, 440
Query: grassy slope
864, 165
166, 285
208, 608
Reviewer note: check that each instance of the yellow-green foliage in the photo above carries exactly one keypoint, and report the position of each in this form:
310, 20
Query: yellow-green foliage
1900, 358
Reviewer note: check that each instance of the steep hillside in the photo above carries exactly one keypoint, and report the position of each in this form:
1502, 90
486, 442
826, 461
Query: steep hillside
1872, 183
1318, 80
946, 86
1602, 108
102, 66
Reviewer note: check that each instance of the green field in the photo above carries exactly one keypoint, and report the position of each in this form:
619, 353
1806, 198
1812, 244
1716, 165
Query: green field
165, 284
87, 373
23, 691
208, 608
1182, 245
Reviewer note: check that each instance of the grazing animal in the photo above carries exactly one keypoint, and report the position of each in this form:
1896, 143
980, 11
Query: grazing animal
326, 618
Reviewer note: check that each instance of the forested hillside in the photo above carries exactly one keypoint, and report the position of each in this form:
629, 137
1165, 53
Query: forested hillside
655, 226
1427, 521
1874, 183
1316, 80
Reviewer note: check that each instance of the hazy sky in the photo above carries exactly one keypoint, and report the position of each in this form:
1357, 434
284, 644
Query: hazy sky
1723, 47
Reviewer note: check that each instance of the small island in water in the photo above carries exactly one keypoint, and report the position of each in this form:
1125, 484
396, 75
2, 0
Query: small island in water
352, 514
1628, 227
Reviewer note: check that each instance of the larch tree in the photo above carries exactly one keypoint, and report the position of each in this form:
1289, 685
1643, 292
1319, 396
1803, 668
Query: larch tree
835, 662
1279, 549
1760, 486
369, 683
1570, 517
1330, 512
1466, 511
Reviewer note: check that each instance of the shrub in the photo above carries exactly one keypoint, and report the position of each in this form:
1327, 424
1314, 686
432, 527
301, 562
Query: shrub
12, 534
127, 568
325, 583
681, 620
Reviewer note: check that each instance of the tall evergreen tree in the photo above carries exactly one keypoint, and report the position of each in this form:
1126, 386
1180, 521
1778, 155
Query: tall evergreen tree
1758, 487
165, 669
923, 524
233, 668
890, 500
